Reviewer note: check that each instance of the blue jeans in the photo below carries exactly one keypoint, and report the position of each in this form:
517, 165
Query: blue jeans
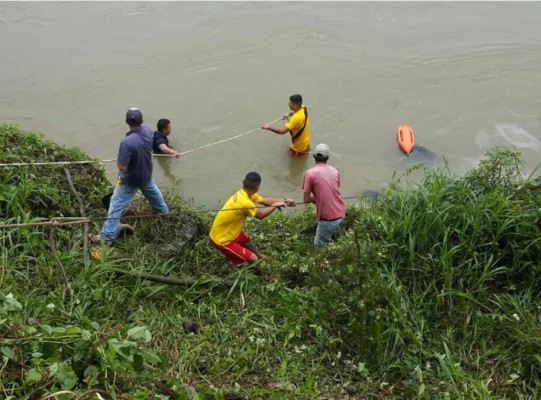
325, 230
122, 196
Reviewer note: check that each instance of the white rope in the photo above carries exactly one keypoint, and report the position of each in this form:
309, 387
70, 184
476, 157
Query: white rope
20, 164
226, 140
55, 163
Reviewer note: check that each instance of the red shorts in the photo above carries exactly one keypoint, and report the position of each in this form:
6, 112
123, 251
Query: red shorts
235, 251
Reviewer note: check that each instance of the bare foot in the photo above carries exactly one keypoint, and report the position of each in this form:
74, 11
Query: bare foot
256, 269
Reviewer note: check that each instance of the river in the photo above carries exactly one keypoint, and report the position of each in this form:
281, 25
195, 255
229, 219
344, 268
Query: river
465, 75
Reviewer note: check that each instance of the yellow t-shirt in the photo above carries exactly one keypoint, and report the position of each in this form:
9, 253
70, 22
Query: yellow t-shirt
295, 124
229, 223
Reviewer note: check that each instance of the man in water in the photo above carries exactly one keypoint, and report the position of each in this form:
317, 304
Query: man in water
134, 174
227, 234
321, 185
161, 140
298, 126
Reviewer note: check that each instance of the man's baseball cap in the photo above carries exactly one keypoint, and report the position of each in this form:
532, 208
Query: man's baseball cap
321, 151
134, 116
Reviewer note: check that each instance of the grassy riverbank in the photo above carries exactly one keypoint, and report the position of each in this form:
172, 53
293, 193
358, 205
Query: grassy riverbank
432, 293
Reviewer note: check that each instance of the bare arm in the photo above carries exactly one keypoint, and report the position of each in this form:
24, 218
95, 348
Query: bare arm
167, 150
307, 198
287, 115
261, 213
122, 168
270, 200
272, 204
279, 131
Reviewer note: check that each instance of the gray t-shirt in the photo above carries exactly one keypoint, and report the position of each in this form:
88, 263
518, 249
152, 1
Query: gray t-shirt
135, 153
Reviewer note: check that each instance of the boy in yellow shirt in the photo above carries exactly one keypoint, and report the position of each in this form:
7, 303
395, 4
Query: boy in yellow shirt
227, 234
298, 126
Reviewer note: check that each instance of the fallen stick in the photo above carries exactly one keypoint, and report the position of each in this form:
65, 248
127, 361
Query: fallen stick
173, 281
52, 244
81, 211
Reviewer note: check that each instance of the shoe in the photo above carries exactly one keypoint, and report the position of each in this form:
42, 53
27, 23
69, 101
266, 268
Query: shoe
96, 239
125, 230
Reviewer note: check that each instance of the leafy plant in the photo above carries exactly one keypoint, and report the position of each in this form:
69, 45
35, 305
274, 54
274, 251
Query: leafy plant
431, 293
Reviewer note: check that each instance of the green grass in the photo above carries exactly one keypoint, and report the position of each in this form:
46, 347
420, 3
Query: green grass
432, 293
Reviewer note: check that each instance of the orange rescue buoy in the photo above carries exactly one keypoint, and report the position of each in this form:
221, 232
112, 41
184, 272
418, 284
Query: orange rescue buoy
405, 138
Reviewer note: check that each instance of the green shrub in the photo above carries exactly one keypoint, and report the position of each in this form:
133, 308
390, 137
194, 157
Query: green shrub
431, 293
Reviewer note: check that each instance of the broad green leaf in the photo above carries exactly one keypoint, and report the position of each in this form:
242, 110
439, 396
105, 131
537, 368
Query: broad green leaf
12, 304
86, 335
8, 353
73, 330
32, 376
140, 332
422, 389
47, 329
66, 376
150, 356
361, 368
59, 330
92, 371
53, 369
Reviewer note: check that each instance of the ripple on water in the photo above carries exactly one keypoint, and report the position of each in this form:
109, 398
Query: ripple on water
507, 134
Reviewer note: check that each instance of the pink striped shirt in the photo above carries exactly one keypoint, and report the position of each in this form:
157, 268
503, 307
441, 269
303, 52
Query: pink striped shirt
323, 181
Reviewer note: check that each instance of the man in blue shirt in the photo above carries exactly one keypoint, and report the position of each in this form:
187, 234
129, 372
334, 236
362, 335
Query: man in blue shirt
161, 140
134, 174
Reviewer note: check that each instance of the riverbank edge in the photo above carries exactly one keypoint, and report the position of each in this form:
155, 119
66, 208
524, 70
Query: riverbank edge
360, 318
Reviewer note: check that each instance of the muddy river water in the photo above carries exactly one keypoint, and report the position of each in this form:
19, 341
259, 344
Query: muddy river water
466, 76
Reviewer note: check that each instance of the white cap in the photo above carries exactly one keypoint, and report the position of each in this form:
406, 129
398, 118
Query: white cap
321, 151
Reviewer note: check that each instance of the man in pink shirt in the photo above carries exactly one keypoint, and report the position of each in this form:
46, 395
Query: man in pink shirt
321, 185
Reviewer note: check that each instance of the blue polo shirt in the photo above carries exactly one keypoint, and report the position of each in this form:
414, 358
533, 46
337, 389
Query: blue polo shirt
136, 153
159, 139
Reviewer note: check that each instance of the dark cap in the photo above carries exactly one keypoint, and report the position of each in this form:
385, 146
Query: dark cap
134, 117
